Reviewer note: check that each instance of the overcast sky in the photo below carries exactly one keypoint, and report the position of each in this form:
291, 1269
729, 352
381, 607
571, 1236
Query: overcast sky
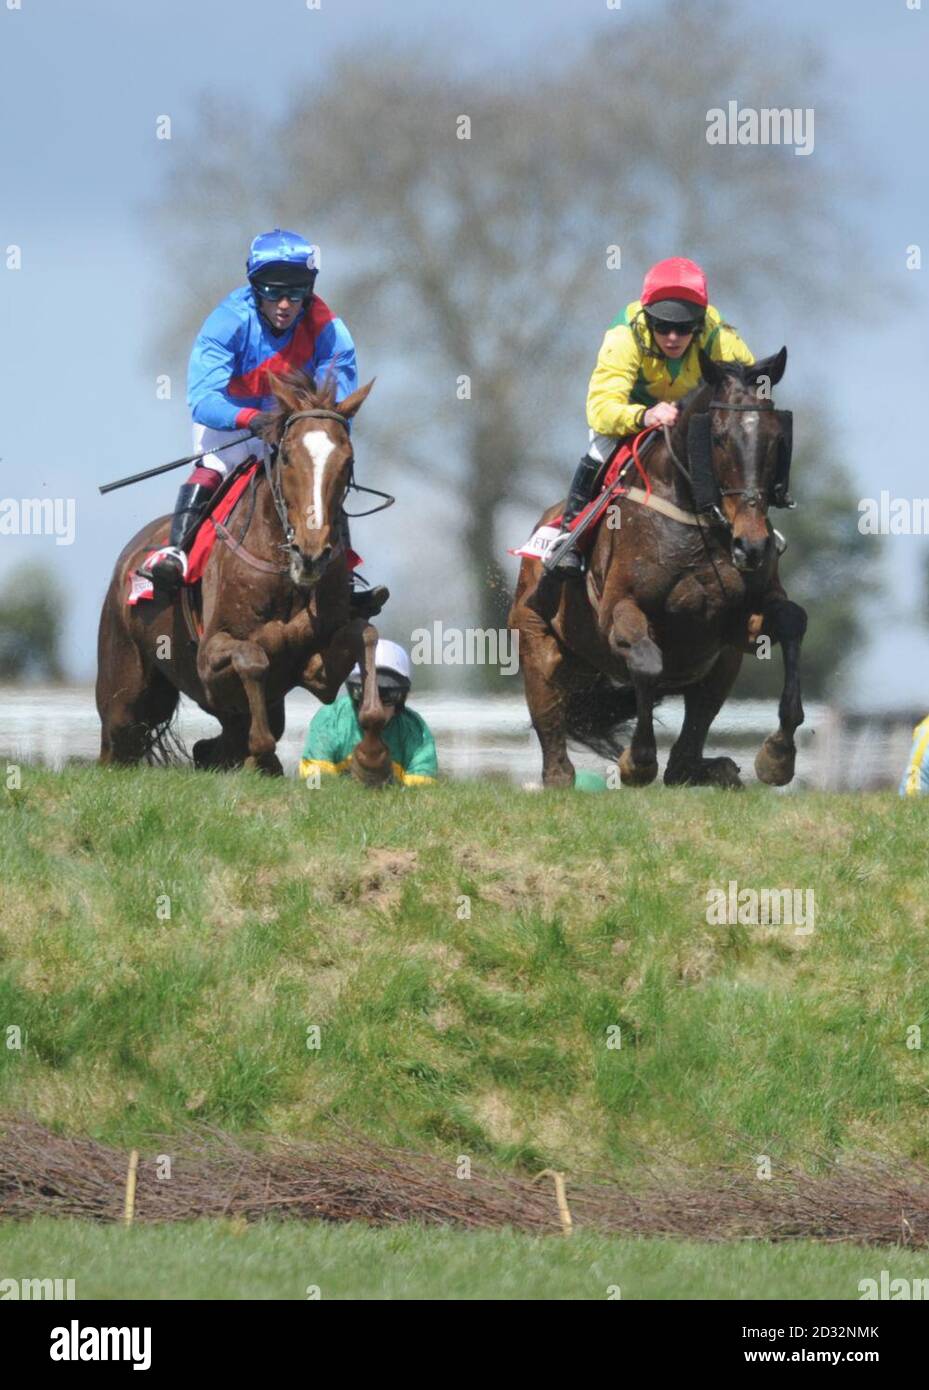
81, 85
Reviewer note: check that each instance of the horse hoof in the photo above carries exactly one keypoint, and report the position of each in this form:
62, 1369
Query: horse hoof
636, 774
267, 763
558, 777
708, 772
774, 762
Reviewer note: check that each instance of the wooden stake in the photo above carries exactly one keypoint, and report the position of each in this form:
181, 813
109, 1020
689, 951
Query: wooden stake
130, 1187
567, 1225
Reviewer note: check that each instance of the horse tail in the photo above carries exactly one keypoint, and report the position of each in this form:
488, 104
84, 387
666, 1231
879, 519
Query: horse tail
164, 746
595, 717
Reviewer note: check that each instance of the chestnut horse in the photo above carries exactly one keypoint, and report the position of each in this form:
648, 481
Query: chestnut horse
670, 605
275, 609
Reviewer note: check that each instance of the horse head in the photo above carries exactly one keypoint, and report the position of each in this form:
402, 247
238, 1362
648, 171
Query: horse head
312, 471
746, 442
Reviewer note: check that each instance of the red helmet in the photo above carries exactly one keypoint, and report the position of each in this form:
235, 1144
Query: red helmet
675, 290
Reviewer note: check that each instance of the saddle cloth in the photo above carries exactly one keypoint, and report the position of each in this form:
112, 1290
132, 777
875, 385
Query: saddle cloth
205, 538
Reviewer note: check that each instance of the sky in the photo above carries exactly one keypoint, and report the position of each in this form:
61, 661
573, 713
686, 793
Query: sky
82, 83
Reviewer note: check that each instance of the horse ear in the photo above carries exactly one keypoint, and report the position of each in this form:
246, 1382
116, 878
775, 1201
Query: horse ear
771, 367
712, 372
353, 403
287, 392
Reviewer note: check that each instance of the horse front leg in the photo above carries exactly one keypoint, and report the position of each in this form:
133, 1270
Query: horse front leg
630, 640
371, 764
323, 676
223, 655
784, 622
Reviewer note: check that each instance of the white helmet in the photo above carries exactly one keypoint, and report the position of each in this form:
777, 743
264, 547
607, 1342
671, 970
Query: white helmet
389, 658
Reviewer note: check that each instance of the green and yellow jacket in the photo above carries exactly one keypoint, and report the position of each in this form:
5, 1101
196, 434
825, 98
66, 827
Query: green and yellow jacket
632, 373
334, 732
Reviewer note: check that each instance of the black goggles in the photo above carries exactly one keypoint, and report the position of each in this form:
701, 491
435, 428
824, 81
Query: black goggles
664, 327
390, 694
294, 294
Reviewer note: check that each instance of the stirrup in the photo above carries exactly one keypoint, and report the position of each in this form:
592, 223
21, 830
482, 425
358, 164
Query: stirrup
167, 569
570, 563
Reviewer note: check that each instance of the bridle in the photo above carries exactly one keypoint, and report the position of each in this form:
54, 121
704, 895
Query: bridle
274, 482
752, 497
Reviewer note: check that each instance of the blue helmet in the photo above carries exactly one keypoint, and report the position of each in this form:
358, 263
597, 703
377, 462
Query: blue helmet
277, 250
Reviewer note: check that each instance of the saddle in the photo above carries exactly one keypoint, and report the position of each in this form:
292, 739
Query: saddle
610, 485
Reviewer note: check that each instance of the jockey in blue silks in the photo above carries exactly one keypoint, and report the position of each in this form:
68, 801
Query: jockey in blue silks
274, 324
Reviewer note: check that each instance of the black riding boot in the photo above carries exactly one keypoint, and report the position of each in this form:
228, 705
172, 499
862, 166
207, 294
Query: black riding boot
582, 485
365, 603
167, 572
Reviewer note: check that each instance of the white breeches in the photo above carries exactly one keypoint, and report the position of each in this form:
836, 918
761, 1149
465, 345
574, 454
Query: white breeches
224, 462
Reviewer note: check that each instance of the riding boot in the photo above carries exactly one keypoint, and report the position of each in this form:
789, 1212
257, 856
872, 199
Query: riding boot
365, 603
570, 566
170, 568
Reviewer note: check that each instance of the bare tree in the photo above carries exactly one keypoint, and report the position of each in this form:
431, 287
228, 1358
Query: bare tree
475, 219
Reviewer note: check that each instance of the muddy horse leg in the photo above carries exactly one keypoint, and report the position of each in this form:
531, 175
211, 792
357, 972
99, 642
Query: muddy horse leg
324, 674
371, 763
542, 660
702, 702
629, 639
784, 622
133, 701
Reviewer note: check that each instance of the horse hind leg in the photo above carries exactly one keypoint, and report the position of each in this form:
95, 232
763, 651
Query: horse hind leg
702, 702
136, 714
631, 641
541, 659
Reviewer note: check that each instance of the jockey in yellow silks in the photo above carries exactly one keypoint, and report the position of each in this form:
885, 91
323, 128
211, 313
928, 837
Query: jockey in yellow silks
649, 360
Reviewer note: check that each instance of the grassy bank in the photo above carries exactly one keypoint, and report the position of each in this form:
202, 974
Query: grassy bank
170, 942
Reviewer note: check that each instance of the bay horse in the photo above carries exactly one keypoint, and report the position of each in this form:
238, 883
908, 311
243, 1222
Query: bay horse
671, 605
275, 609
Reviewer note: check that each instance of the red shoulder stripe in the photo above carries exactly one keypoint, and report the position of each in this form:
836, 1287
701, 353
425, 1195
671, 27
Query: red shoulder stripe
298, 352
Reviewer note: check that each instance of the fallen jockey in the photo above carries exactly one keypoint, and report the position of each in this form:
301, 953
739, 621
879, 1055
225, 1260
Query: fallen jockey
649, 360
274, 323
335, 731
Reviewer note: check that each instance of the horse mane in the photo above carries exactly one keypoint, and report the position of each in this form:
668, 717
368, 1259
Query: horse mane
302, 393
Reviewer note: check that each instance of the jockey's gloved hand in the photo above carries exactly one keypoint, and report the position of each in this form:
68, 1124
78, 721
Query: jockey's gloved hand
259, 422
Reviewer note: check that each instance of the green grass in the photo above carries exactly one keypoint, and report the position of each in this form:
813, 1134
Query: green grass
484, 1034
217, 1260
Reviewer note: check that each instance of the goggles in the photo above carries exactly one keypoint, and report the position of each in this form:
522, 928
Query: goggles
294, 294
664, 327
390, 694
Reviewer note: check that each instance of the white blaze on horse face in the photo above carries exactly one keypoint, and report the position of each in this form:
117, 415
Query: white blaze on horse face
319, 447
